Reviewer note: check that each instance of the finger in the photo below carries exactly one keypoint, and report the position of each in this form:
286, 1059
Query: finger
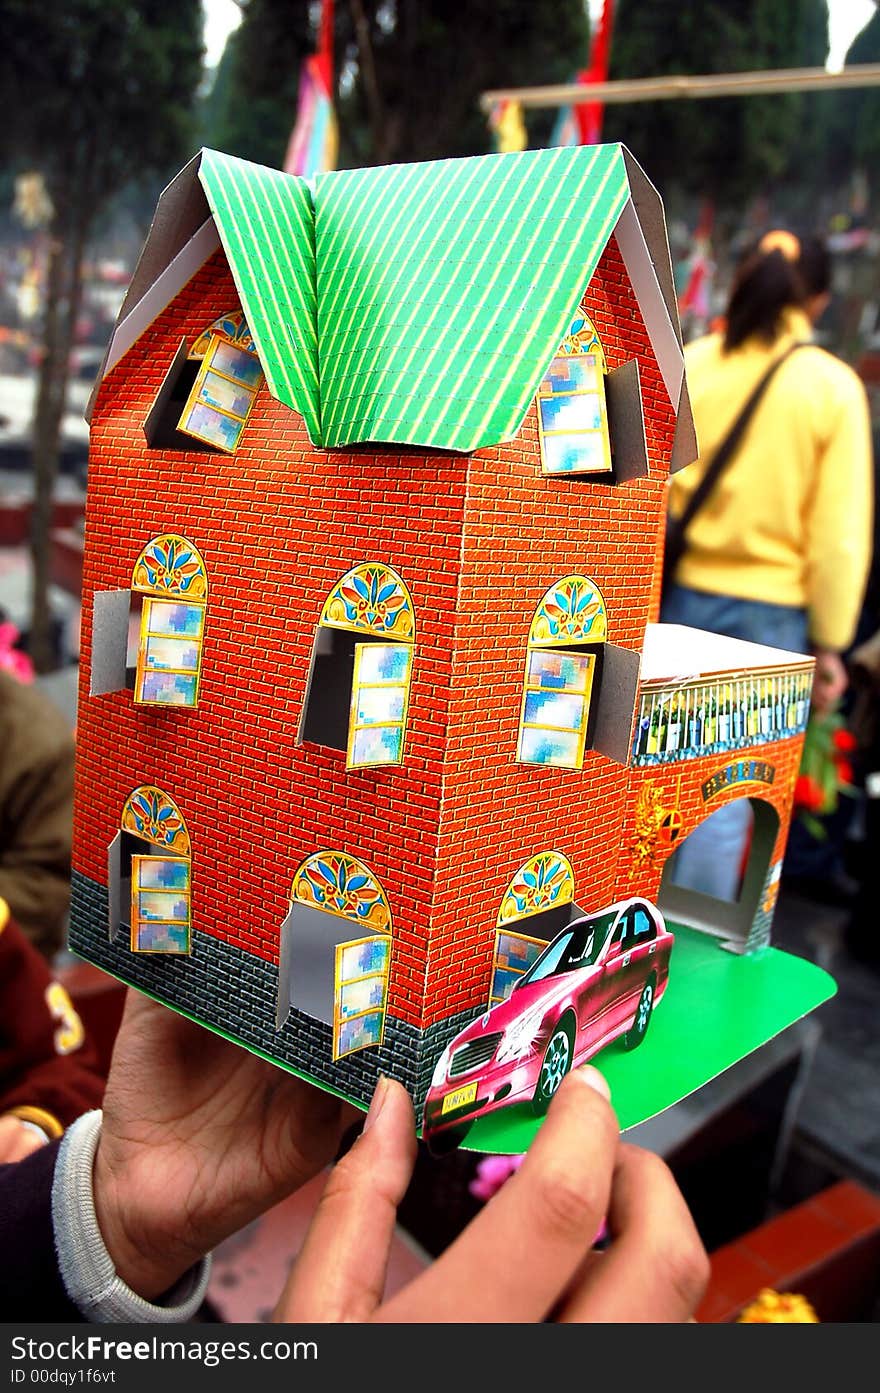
656, 1268
340, 1273
16, 1141
516, 1258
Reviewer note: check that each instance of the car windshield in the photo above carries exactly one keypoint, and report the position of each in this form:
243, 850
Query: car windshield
577, 947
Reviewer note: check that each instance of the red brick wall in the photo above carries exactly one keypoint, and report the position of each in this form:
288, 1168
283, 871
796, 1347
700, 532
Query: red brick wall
686, 796
523, 531
277, 523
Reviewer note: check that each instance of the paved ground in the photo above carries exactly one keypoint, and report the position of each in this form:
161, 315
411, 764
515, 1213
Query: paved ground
839, 1115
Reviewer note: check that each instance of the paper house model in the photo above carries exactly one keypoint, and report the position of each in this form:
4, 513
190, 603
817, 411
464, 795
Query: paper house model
372, 699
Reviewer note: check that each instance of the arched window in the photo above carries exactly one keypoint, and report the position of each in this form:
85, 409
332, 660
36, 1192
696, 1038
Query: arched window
149, 874
572, 411
161, 662
358, 690
567, 634
537, 905
209, 390
335, 953
170, 575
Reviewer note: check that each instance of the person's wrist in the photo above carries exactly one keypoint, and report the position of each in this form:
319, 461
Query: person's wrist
143, 1258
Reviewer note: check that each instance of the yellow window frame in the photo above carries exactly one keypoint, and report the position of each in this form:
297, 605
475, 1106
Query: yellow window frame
339, 982
541, 943
602, 430
530, 687
136, 920
355, 727
146, 633
193, 399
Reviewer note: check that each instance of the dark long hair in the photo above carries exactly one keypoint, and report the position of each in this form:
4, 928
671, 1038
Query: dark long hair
778, 273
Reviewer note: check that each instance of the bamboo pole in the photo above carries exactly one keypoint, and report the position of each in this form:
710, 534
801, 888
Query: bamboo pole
653, 89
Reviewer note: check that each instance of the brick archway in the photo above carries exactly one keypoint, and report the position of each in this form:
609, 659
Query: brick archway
735, 920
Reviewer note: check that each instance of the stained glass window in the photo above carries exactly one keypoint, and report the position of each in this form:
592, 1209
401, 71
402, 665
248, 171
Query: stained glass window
222, 396
555, 709
171, 576
572, 414
514, 955
169, 653
160, 904
370, 724
379, 698
361, 994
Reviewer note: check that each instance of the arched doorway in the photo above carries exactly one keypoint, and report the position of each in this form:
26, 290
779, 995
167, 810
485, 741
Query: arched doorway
536, 906
717, 877
149, 874
335, 950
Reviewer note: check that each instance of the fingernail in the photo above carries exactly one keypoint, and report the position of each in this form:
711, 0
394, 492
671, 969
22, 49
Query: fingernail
377, 1102
591, 1076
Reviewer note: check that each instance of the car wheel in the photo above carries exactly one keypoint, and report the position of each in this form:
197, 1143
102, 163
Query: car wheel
637, 1031
445, 1142
554, 1067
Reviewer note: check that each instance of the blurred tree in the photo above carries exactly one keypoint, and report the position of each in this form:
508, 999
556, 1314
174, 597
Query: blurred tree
94, 93
409, 73
728, 149
251, 106
863, 112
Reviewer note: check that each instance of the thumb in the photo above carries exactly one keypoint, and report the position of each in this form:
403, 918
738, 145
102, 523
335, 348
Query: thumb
340, 1273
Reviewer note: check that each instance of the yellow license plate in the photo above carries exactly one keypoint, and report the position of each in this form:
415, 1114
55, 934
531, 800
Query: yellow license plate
459, 1098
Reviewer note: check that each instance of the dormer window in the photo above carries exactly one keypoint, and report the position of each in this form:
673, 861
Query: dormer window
209, 390
572, 411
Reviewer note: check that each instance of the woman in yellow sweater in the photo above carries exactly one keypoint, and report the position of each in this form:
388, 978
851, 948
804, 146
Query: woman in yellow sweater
779, 551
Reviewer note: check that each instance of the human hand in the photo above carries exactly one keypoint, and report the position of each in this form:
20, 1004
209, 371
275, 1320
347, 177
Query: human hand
16, 1139
830, 681
528, 1255
199, 1137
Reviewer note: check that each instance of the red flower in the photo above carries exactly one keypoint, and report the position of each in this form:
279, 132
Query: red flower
844, 741
808, 794
844, 771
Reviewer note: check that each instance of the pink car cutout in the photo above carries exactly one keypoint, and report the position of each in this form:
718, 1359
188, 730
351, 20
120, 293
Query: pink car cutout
599, 979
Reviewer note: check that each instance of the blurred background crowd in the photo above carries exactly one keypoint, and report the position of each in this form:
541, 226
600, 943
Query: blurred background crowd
103, 101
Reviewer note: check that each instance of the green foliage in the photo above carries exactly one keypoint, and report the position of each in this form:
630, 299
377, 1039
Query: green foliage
430, 59
863, 111
251, 107
726, 148
97, 91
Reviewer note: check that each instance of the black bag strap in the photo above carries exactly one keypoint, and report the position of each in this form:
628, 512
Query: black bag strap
730, 444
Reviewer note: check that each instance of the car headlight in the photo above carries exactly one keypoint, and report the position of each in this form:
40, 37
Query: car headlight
519, 1037
440, 1068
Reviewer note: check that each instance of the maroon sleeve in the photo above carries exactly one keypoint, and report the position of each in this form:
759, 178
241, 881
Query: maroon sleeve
48, 1069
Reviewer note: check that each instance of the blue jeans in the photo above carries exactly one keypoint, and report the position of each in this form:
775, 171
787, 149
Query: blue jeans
757, 621
709, 859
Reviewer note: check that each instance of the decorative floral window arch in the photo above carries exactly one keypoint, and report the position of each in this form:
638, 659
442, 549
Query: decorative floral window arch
170, 575
160, 872
572, 410
541, 894
216, 381
566, 636
341, 888
358, 694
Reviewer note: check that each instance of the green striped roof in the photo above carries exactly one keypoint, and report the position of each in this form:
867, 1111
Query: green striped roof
444, 289
441, 290
266, 225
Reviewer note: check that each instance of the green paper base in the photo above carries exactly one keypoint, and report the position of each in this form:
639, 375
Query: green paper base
718, 1007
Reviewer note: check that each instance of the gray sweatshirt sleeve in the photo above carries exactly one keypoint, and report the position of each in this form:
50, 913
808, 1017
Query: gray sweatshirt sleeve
86, 1267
